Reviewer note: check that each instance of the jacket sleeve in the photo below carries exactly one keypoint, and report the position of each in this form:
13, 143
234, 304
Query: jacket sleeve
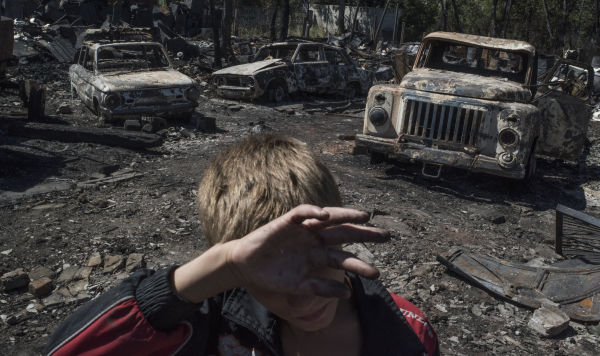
417, 320
141, 316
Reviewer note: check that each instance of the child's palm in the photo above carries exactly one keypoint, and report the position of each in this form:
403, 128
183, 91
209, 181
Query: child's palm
281, 255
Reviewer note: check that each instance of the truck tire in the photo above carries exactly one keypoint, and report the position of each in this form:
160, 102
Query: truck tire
377, 157
277, 91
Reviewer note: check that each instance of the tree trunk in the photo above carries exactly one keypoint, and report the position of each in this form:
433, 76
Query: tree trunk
579, 22
274, 21
341, 15
285, 20
354, 18
507, 7
307, 19
443, 16
493, 19
215, 27
236, 24
456, 16
597, 20
548, 27
226, 31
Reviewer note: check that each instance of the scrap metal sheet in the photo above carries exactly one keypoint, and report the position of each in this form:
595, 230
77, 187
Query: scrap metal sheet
575, 288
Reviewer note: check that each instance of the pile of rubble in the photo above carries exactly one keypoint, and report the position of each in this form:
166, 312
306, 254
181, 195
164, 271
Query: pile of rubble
72, 286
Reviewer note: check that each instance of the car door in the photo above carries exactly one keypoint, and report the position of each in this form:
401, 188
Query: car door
563, 103
313, 72
86, 76
76, 69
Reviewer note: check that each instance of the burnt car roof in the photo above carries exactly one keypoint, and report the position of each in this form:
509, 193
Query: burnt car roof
483, 41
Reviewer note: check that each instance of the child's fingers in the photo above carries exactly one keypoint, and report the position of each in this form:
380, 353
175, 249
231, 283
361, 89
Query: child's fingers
323, 287
304, 212
345, 260
338, 216
348, 233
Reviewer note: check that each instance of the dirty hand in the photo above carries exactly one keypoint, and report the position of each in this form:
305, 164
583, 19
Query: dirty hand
282, 255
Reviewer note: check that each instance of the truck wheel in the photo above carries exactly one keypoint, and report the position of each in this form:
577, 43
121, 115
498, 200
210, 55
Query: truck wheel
277, 92
377, 157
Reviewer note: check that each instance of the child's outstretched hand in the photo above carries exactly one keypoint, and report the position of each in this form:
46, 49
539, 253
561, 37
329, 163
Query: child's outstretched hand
283, 255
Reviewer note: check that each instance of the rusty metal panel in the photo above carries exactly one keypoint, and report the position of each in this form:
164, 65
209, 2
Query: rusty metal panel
575, 286
483, 41
577, 235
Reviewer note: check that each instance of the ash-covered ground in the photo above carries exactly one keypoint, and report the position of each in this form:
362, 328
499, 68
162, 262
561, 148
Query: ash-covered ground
62, 204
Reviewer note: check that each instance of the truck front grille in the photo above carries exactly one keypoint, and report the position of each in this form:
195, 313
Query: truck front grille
233, 81
450, 123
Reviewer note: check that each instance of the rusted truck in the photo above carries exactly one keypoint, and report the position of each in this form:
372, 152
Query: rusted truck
474, 103
280, 69
122, 80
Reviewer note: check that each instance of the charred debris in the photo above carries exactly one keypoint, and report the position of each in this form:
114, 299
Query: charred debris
71, 32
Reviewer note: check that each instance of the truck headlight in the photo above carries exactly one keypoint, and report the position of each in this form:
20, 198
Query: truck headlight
192, 93
111, 101
508, 138
378, 116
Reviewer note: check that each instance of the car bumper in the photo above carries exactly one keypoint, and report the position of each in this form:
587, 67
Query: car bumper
232, 92
163, 110
422, 153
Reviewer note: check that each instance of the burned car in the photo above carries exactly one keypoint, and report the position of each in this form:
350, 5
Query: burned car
284, 68
131, 79
473, 102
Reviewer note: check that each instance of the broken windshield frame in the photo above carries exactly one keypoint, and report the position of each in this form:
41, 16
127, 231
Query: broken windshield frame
130, 58
283, 52
464, 58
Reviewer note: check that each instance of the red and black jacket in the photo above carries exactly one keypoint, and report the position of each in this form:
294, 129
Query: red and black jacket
143, 316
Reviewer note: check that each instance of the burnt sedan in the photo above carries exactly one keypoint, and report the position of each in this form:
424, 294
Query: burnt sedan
129, 80
280, 69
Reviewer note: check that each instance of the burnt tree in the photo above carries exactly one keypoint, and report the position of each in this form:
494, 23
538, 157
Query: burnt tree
548, 27
285, 20
226, 31
443, 15
215, 16
341, 22
493, 19
273, 32
597, 20
506, 19
456, 16
307, 19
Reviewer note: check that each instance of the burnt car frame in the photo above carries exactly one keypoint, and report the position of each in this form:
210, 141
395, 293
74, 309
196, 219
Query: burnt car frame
121, 80
473, 102
283, 68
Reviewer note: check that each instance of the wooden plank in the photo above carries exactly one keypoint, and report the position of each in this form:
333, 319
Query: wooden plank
65, 133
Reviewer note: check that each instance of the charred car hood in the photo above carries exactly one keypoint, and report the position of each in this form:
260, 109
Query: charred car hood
143, 80
248, 68
463, 84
